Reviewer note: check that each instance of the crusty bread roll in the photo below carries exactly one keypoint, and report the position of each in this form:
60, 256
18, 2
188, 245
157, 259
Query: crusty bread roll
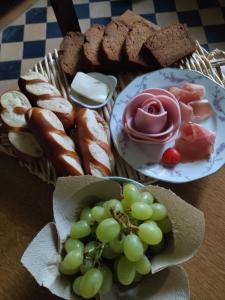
13, 106
58, 147
45, 95
94, 141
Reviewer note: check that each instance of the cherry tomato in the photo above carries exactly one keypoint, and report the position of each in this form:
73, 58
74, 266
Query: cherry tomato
171, 157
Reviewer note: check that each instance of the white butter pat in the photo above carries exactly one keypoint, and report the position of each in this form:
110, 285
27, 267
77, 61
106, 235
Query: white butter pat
90, 88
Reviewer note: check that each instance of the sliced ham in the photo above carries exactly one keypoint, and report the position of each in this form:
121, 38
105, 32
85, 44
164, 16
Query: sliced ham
195, 142
152, 117
192, 105
188, 92
202, 110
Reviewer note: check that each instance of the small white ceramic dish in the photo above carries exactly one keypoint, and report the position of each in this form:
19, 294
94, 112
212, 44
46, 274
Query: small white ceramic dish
111, 82
144, 158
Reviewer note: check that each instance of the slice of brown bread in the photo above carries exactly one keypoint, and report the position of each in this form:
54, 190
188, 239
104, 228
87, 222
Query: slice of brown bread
129, 18
135, 39
169, 44
92, 44
113, 40
71, 52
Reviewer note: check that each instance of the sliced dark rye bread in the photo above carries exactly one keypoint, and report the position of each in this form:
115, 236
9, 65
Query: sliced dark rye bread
71, 52
129, 18
113, 40
168, 45
135, 39
92, 44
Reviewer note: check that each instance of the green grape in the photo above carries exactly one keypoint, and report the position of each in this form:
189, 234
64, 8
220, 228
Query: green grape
73, 259
66, 271
87, 265
98, 213
133, 247
165, 225
108, 252
113, 204
107, 230
150, 233
86, 215
107, 280
80, 229
130, 194
157, 248
146, 197
117, 244
72, 244
91, 283
141, 211
76, 285
138, 277
125, 203
125, 271
91, 249
159, 211
143, 266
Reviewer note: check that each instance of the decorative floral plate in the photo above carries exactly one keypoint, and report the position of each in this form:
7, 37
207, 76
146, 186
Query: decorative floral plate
142, 156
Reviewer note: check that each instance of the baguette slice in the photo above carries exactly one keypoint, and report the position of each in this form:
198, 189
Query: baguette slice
25, 145
45, 95
13, 106
169, 45
57, 146
94, 141
92, 45
71, 53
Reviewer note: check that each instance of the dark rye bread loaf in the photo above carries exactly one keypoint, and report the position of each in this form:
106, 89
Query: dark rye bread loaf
168, 45
135, 39
113, 40
92, 44
71, 52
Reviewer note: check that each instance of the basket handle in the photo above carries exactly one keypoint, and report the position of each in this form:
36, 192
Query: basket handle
66, 15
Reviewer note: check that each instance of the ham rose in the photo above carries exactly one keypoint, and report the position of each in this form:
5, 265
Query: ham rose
153, 116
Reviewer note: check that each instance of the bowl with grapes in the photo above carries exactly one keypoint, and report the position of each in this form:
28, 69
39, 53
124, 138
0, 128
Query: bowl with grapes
114, 239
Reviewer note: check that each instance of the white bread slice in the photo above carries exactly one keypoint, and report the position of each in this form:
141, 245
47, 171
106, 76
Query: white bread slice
51, 118
25, 144
42, 88
57, 105
32, 75
45, 95
97, 129
58, 147
13, 105
94, 140
100, 155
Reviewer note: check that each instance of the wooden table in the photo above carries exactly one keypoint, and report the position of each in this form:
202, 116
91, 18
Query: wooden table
26, 206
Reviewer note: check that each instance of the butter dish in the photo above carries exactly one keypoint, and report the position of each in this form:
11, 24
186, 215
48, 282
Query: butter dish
96, 93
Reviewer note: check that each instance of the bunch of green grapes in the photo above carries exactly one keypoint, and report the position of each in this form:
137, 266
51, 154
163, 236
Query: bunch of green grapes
113, 241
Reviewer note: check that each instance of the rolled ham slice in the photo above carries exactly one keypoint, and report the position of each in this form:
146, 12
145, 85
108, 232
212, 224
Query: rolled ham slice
188, 92
152, 117
192, 105
195, 142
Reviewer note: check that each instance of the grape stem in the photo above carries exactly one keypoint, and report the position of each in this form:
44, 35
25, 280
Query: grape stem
126, 225
97, 297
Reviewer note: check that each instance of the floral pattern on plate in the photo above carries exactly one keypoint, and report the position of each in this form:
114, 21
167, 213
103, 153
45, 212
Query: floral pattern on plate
144, 158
